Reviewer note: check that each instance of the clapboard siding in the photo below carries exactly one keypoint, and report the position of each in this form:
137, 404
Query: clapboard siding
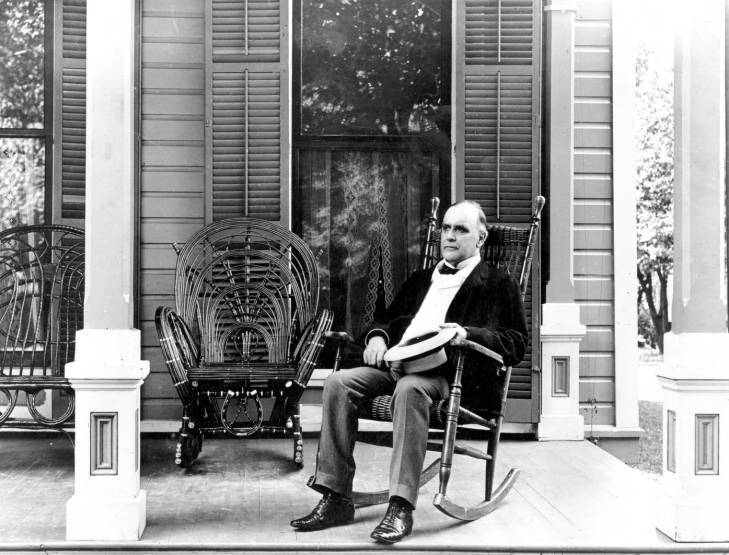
592, 110
596, 85
170, 180
593, 208
596, 33
172, 130
592, 135
593, 263
185, 55
594, 288
592, 58
586, 235
591, 211
597, 388
597, 364
595, 186
172, 203
157, 257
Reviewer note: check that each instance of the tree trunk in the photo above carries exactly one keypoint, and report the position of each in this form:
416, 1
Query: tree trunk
659, 315
665, 325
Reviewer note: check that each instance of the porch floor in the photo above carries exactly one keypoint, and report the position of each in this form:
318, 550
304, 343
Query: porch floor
240, 496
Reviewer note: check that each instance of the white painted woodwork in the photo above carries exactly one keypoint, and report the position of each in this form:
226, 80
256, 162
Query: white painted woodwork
625, 323
560, 335
560, 63
107, 502
695, 380
107, 373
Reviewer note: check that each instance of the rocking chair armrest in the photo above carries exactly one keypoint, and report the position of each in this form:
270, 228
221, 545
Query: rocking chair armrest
480, 349
341, 336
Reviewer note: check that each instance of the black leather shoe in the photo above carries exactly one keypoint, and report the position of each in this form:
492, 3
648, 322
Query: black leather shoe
332, 510
397, 524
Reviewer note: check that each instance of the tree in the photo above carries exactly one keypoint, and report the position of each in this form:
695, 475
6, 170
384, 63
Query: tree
654, 95
22, 159
371, 67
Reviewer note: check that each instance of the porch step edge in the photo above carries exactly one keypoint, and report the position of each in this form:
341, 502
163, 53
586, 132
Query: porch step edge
410, 546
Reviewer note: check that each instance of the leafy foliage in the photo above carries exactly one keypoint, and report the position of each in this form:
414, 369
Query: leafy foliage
22, 104
654, 94
371, 67
21, 63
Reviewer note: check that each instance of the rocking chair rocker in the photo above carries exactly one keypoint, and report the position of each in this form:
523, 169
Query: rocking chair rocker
509, 248
246, 328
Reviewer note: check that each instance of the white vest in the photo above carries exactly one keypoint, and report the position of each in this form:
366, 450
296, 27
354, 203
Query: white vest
443, 289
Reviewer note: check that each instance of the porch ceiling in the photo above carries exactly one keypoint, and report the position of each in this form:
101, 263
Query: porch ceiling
571, 496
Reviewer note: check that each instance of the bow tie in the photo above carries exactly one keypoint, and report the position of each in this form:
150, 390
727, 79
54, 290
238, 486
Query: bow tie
447, 270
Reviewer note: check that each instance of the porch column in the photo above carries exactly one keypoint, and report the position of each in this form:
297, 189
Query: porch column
695, 504
561, 331
107, 372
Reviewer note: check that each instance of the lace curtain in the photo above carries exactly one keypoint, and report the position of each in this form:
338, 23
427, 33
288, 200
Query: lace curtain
363, 215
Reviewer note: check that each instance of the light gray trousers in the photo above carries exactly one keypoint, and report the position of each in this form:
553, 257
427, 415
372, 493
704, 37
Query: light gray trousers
344, 393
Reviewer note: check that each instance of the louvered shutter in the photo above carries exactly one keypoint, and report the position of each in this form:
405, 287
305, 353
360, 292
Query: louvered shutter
497, 136
246, 137
70, 113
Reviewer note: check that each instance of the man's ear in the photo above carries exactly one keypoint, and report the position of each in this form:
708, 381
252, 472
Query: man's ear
482, 239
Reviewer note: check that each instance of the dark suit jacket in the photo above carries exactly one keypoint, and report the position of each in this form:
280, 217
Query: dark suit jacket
488, 305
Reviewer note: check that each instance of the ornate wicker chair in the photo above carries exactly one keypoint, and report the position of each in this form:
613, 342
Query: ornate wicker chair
246, 328
41, 307
506, 247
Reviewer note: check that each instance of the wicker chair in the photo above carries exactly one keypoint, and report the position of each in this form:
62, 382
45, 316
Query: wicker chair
506, 247
41, 307
246, 328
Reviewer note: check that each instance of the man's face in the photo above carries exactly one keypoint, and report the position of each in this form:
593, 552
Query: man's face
460, 237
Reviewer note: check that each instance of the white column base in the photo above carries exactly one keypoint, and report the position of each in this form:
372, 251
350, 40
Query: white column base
560, 334
561, 427
694, 503
686, 522
91, 518
107, 376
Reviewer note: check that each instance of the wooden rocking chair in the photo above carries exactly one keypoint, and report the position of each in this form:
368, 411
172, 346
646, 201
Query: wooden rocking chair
509, 248
246, 328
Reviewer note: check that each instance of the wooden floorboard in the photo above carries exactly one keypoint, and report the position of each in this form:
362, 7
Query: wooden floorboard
240, 496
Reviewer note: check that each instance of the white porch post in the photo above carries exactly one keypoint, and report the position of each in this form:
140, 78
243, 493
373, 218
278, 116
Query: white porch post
107, 372
695, 503
561, 330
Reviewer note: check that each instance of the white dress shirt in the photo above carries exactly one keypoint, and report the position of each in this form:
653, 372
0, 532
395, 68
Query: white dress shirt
442, 291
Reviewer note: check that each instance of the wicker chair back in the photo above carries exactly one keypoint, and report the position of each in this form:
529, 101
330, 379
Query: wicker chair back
41, 299
246, 288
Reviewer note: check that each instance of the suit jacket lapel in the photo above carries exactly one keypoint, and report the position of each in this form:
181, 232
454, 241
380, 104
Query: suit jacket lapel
423, 290
457, 309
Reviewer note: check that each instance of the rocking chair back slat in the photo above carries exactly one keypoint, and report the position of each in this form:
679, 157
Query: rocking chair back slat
507, 247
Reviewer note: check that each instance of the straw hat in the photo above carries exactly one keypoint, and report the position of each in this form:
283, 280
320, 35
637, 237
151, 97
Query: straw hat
423, 352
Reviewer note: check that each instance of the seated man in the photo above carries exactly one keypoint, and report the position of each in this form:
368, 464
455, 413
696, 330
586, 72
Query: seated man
483, 305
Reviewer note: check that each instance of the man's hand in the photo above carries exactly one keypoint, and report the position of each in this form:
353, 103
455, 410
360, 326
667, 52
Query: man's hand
460, 331
374, 351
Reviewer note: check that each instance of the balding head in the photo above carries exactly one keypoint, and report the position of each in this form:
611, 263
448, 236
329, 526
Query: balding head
478, 211
463, 231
